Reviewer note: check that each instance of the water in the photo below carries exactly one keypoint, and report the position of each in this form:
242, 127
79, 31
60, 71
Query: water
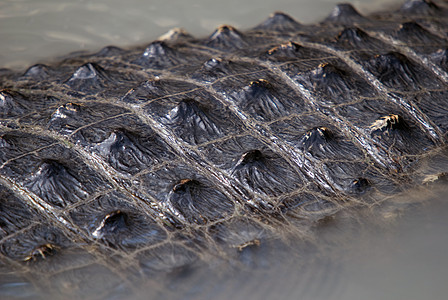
36, 30
407, 263
401, 257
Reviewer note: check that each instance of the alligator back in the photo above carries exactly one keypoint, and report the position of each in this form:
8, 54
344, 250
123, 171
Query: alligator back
140, 161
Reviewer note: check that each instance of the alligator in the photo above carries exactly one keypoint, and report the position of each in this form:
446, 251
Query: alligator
135, 162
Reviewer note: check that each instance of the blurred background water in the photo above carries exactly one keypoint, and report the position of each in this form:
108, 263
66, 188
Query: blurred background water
34, 30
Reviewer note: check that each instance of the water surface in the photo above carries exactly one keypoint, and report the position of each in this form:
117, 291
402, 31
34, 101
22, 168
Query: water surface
36, 30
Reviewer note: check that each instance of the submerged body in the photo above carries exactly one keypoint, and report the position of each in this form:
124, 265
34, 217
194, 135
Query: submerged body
131, 163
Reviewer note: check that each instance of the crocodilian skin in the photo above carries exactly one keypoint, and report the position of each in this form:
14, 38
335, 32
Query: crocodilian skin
126, 164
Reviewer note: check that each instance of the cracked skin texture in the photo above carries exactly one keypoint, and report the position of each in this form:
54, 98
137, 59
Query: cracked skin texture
163, 155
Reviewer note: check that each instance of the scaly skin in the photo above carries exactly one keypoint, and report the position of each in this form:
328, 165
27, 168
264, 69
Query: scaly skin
158, 157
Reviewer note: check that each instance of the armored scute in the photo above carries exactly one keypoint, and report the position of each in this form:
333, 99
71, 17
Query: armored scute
132, 162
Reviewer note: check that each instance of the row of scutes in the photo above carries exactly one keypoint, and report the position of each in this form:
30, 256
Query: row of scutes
156, 154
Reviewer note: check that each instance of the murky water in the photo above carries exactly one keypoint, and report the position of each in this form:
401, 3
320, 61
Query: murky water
35, 30
404, 258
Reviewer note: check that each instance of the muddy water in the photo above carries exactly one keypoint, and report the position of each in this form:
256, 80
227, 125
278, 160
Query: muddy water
36, 30
403, 257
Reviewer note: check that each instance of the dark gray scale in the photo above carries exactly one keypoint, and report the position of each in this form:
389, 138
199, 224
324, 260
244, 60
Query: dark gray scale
195, 116
394, 70
217, 68
114, 221
193, 122
109, 51
329, 150
417, 38
14, 214
30, 107
12, 104
440, 58
158, 55
328, 77
191, 198
344, 14
354, 38
130, 153
48, 76
397, 72
396, 131
226, 38
301, 58
90, 77
301, 203
169, 53
56, 185
38, 71
358, 178
307, 60
109, 136
157, 88
15, 144
377, 110
433, 104
36, 245
257, 168
420, 7
399, 138
185, 195
49, 171
249, 158
359, 185
123, 69
366, 180
412, 34
212, 69
315, 138
111, 223
286, 51
280, 22
258, 171
334, 85
237, 233
260, 96
59, 119
263, 101
69, 118
309, 133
